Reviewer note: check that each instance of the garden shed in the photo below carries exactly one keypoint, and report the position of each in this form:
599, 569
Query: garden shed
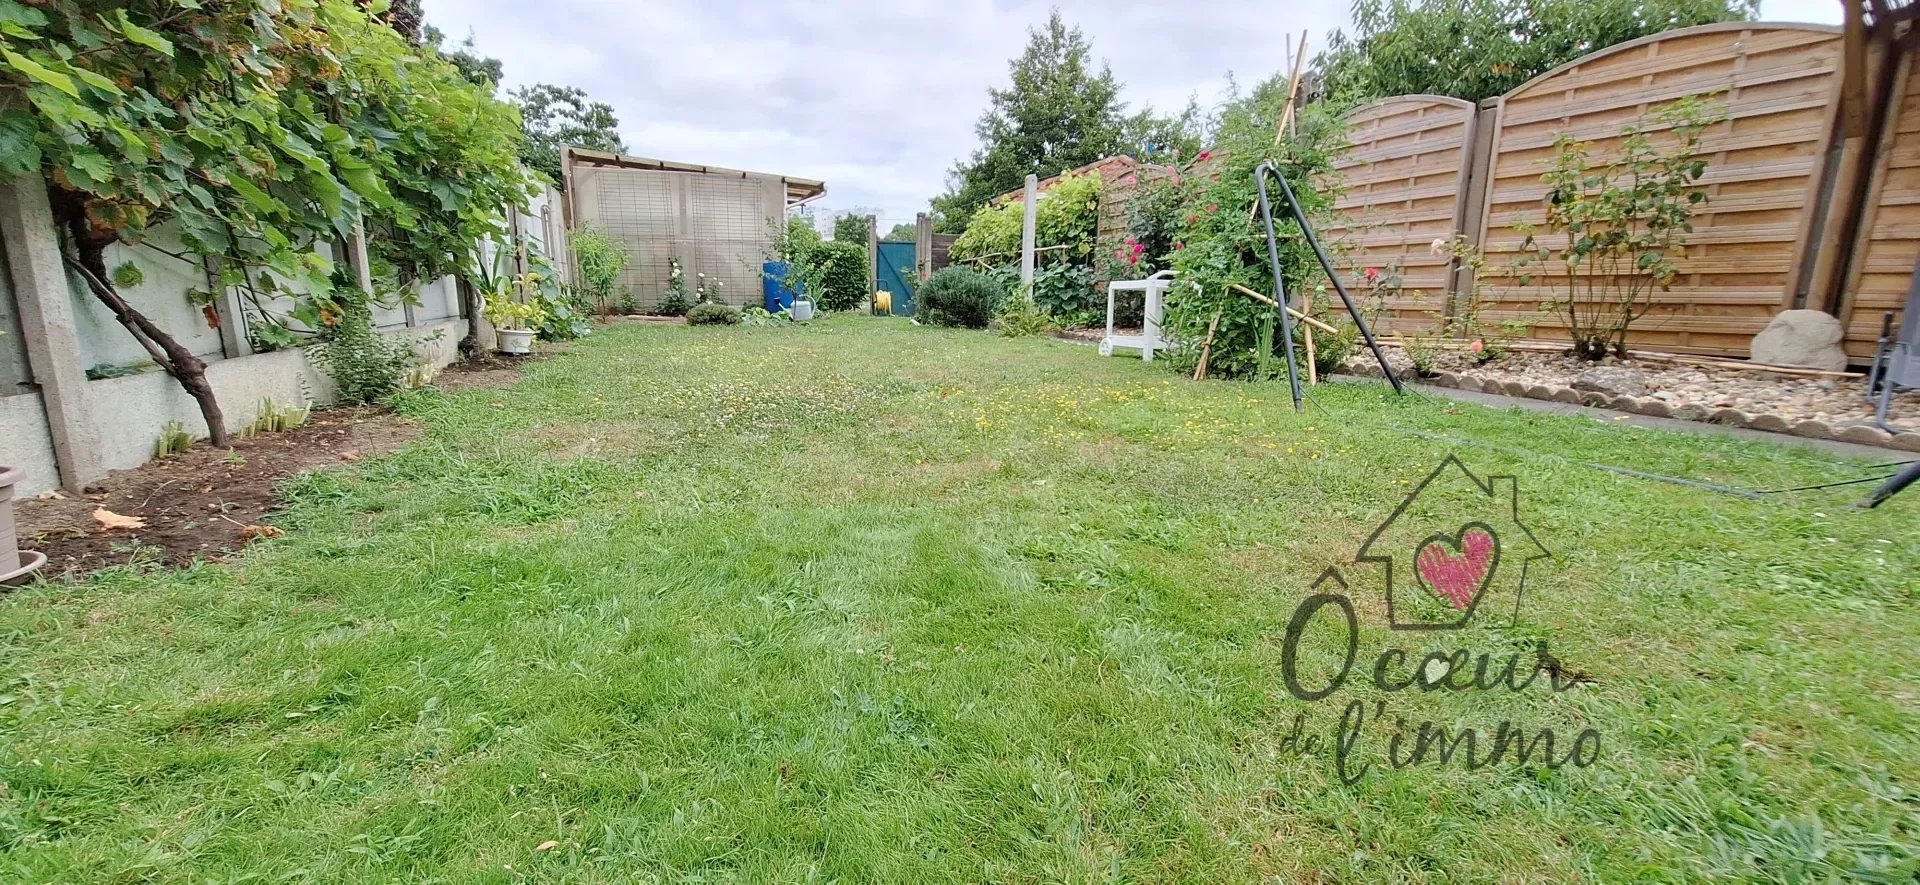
715, 221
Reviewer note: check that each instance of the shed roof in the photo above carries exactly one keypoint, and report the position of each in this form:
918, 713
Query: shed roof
799, 190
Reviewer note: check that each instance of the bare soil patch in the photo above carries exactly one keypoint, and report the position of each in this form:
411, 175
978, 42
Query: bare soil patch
201, 503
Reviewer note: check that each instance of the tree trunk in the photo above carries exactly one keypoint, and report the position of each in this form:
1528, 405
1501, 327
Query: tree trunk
179, 362
470, 346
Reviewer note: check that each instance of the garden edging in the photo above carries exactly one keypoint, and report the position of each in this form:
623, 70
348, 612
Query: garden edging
1645, 405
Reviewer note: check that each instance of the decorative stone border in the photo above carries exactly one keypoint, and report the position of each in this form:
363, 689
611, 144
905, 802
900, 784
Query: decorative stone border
1645, 405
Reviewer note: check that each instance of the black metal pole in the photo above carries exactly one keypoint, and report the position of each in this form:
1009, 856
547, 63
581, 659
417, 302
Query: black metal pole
1893, 486
1300, 218
1279, 278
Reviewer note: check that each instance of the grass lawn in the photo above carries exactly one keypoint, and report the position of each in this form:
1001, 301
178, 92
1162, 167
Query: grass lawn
867, 602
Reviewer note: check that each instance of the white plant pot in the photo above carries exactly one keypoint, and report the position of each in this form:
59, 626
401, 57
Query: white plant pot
15, 565
515, 340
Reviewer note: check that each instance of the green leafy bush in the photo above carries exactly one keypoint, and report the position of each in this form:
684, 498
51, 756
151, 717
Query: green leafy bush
677, 300
1222, 243
837, 274
758, 316
367, 366
713, 313
957, 296
601, 259
565, 311
1069, 217
1617, 224
1022, 318
1330, 352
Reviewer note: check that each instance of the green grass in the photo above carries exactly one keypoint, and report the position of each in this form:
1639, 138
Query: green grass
864, 602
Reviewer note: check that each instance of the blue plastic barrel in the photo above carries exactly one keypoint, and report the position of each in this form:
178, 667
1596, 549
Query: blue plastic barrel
778, 293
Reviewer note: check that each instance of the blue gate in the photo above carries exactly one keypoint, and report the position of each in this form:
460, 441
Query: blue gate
894, 271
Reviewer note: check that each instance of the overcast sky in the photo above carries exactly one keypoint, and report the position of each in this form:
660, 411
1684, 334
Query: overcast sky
876, 98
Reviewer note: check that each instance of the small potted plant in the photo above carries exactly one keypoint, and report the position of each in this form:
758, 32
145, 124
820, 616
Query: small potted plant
15, 564
514, 321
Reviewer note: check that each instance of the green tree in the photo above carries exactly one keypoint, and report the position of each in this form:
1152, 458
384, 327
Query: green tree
559, 117
1056, 114
478, 69
902, 233
258, 129
1477, 49
404, 16
852, 228
1149, 134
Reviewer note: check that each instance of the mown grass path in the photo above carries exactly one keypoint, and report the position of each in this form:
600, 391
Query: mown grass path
867, 602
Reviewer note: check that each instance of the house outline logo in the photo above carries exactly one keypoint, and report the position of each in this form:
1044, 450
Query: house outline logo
1431, 563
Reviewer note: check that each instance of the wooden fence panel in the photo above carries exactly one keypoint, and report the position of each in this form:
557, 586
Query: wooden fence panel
1404, 172
1883, 263
1776, 83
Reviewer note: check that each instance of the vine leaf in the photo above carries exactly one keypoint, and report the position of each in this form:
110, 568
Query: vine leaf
41, 72
143, 36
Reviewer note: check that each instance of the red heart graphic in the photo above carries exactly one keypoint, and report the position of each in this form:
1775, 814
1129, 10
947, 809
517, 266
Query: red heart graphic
1457, 577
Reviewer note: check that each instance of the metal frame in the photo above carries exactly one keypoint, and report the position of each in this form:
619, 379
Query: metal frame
1896, 358
1260, 175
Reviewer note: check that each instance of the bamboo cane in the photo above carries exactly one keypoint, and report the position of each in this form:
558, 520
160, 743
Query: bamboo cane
1206, 349
1293, 89
1306, 331
1268, 300
1286, 111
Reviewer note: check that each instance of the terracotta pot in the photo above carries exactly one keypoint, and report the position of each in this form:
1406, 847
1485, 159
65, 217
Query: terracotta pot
14, 564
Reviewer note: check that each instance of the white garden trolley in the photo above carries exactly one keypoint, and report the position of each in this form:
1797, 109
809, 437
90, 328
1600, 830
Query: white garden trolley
1149, 340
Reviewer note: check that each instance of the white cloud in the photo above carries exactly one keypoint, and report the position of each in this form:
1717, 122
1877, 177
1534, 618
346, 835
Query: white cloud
876, 98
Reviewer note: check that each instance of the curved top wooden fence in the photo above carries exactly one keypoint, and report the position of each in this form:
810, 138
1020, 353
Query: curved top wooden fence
1422, 167
1776, 85
1405, 168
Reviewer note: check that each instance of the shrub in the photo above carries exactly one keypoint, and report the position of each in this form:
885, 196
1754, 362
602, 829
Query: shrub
713, 314
600, 258
677, 300
1330, 352
367, 366
1222, 244
758, 316
837, 272
957, 296
1069, 216
1021, 318
1616, 223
